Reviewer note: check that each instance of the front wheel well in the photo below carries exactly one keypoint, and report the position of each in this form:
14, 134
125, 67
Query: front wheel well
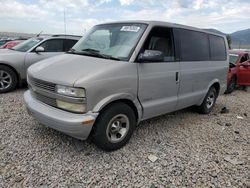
126, 101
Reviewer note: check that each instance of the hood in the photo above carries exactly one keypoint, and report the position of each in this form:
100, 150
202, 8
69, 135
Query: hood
11, 56
66, 69
8, 51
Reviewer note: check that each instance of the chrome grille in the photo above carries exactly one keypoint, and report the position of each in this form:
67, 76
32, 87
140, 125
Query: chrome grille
44, 99
35, 85
42, 84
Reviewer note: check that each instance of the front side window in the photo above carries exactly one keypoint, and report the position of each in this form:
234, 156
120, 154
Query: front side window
161, 39
110, 41
53, 45
244, 58
27, 45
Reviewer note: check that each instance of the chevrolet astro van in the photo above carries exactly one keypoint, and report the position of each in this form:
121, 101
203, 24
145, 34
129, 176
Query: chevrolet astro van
124, 72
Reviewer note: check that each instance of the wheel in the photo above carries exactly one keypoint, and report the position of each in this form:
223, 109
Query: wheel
208, 102
231, 85
8, 79
114, 127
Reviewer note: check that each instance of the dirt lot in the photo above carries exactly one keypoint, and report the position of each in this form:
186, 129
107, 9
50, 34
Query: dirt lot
192, 150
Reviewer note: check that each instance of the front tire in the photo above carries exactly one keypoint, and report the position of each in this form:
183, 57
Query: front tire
209, 101
231, 85
114, 127
8, 79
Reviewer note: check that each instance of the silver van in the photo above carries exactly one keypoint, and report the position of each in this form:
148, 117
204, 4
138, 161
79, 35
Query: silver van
124, 72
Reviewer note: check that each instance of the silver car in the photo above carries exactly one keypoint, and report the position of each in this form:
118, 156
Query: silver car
125, 72
15, 61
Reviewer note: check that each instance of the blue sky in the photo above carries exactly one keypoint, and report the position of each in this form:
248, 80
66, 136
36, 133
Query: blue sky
33, 16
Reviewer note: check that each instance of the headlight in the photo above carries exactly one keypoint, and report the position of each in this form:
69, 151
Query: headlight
79, 108
70, 91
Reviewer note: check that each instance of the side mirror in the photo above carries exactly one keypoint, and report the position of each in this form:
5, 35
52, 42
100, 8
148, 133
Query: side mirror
151, 56
39, 49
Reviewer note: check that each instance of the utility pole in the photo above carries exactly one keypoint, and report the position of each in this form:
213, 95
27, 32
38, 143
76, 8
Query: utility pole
64, 14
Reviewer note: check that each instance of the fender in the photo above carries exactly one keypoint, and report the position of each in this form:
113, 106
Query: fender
221, 91
116, 97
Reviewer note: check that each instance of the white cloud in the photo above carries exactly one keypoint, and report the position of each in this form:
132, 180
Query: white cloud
14, 9
126, 2
61, 4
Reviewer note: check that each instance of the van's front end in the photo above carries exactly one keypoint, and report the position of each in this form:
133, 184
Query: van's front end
60, 107
69, 92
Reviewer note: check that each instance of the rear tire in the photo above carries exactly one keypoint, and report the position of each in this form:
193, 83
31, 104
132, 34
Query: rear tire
209, 101
114, 127
231, 85
8, 79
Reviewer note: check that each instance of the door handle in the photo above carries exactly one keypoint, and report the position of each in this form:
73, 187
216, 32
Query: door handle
177, 77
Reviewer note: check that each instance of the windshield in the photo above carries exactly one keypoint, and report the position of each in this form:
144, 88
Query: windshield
2, 43
112, 41
26, 45
233, 58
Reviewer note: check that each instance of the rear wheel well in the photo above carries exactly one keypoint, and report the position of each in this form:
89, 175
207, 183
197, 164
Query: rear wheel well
12, 68
217, 87
126, 101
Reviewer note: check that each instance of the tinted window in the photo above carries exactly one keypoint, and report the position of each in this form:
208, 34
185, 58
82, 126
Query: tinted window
54, 45
217, 47
161, 39
68, 44
194, 46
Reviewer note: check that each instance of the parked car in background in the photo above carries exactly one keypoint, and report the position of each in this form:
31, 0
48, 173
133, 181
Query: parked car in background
125, 72
11, 44
15, 61
4, 41
239, 71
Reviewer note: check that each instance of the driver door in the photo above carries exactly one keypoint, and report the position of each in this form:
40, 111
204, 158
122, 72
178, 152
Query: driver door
159, 79
51, 47
243, 73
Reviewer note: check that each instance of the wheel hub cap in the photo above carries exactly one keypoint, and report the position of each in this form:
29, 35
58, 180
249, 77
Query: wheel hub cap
5, 80
210, 100
117, 128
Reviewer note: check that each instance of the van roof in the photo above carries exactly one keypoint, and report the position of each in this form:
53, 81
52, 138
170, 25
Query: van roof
163, 23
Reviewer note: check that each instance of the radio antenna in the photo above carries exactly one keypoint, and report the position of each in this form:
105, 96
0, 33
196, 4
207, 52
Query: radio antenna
39, 34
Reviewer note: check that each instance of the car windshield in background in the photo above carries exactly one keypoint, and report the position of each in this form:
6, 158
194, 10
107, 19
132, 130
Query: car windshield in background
26, 45
110, 41
2, 43
233, 58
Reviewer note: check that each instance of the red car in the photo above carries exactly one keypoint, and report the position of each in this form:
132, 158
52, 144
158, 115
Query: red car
11, 44
239, 70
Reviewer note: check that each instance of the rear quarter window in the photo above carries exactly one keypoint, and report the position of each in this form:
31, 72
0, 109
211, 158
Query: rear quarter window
217, 48
194, 45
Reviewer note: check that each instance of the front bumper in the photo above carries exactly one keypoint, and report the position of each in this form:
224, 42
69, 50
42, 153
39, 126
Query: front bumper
76, 125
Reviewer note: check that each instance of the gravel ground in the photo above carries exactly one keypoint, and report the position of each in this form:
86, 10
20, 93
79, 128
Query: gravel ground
192, 150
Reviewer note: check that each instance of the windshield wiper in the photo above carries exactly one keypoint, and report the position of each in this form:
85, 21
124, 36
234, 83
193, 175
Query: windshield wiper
98, 54
90, 50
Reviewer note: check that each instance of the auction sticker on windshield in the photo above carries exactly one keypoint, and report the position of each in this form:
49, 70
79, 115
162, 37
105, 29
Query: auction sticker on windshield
130, 28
